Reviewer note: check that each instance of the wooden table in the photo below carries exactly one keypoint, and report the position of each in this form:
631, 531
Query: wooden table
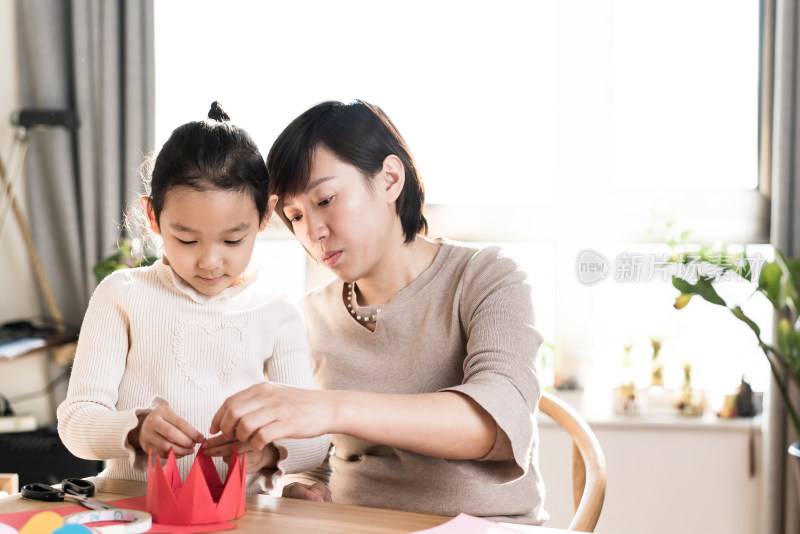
280, 516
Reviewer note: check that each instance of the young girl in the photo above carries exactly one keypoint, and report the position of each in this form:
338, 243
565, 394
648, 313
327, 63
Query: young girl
162, 346
424, 349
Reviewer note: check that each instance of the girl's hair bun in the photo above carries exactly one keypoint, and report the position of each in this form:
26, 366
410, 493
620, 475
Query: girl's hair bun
216, 113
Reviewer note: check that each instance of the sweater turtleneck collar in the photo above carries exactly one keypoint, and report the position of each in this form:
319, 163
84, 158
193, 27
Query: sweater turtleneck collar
171, 278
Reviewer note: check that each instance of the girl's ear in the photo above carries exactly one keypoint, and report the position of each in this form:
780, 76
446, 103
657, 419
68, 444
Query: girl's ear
149, 213
273, 199
394, 174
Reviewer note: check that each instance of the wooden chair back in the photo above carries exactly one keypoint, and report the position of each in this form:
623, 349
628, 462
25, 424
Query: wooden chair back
588, 463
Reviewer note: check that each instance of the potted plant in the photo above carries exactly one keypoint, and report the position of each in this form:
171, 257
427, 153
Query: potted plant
127, 255
779, 282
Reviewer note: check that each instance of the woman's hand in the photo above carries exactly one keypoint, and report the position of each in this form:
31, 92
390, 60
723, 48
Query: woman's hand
256, 458
163, 429
266, 412
444, 424
316, 492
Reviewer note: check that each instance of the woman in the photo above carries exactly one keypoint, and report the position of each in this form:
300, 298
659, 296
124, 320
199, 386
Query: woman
424, 350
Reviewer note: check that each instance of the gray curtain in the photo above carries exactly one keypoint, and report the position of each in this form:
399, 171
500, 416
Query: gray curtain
95, 57
780, 502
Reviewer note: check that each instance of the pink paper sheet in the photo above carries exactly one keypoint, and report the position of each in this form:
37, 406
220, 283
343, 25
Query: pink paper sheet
468, 524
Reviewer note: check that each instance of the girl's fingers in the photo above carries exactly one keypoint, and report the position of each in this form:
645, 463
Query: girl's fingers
187, 431
177, 438
164, 429
161, 447
180, 452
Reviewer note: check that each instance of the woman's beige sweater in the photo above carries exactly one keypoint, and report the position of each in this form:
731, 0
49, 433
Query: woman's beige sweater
465, 325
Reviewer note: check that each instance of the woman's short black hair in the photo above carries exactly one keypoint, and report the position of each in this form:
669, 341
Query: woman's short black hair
209, 155
358, 133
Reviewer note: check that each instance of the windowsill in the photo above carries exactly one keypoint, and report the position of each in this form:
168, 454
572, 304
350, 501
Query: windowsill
600, 416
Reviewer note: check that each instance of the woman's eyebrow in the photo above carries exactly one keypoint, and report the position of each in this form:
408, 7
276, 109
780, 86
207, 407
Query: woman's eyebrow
318, 181
289, 203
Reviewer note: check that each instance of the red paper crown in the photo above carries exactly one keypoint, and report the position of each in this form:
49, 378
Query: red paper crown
202, 499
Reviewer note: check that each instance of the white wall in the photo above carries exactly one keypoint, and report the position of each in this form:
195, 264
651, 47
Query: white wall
18, 293
666, 474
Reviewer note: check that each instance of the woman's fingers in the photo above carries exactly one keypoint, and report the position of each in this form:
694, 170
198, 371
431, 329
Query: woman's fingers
227, 416
256, 458
322, 490
214, 447
219, 446
253, 399
316, 492
265, 412
257, 428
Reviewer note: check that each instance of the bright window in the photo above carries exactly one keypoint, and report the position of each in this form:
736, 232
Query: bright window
550, 126
685, 93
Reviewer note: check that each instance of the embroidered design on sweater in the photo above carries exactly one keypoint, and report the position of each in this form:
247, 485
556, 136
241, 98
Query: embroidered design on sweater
208, 349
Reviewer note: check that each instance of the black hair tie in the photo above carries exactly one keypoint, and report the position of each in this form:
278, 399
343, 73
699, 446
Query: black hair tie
216, 113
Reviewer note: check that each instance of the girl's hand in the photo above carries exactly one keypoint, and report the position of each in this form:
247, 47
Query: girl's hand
163, 429
266, 412
256, 459
316, 492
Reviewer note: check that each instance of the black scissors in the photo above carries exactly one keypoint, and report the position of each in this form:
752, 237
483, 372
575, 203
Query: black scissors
73, 488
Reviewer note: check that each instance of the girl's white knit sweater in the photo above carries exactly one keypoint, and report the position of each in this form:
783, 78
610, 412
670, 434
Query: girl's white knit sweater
149, 338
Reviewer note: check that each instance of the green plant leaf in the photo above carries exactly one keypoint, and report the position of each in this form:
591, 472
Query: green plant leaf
789, 344
745, 270
779, 282
703, 288
790, 270
739, 313
682, 300
769, 283
101, 270
123, 258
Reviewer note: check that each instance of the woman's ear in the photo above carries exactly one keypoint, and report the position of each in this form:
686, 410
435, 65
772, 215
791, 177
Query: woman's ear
394, 175
149, 213
273, 199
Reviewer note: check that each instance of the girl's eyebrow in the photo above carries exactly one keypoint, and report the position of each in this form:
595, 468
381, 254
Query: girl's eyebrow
181, 228
238, 228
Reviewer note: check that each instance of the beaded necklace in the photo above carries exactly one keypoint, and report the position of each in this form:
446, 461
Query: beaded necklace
365, 314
